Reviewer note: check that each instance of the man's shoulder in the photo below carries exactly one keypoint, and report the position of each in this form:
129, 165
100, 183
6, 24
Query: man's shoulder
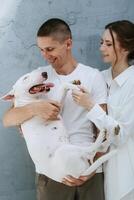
106, 74
106, 71
88, 69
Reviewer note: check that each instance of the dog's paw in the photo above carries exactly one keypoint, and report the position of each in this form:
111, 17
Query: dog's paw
76, 82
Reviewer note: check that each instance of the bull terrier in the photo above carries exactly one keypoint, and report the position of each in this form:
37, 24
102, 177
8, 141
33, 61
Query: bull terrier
48, 143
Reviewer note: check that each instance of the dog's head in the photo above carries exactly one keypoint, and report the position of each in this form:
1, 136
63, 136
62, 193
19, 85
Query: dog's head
30, 85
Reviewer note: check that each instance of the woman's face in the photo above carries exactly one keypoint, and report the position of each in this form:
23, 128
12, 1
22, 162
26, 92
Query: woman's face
110, 53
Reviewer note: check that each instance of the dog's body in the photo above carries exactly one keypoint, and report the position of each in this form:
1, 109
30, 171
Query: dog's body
48, 144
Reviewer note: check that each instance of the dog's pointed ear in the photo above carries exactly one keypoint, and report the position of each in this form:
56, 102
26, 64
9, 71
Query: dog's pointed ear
9, 96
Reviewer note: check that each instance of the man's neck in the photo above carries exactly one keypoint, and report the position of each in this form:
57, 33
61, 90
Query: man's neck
68, 67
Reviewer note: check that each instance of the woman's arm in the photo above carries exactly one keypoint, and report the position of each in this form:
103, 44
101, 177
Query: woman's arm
123, 123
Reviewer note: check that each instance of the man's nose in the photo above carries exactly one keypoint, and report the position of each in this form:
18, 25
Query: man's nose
45, 54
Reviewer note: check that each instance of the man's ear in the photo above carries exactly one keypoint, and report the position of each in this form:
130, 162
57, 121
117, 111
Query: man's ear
8, 97
69, 43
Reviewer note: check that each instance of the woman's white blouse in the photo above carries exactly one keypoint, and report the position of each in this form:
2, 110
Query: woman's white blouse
119, 170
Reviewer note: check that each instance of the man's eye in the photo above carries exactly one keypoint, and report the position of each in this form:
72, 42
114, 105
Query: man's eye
50, 49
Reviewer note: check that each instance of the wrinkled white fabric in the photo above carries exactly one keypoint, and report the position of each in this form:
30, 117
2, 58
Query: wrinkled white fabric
119, 170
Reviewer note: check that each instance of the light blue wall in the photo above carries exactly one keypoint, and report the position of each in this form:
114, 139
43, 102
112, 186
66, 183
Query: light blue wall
19, 22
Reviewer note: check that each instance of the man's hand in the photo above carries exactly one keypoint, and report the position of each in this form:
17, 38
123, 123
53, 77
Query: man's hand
71, 181
47, 110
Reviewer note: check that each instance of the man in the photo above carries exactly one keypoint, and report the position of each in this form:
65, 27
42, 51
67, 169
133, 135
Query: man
54, 40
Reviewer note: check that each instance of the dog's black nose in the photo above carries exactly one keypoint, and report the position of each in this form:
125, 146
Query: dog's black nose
44, 74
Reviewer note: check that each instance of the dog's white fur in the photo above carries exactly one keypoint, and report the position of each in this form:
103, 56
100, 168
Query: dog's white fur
48, 144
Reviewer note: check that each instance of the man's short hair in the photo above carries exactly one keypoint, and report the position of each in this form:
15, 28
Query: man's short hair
55, 28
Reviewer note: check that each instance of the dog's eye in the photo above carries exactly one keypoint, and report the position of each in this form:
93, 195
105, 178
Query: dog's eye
25, 78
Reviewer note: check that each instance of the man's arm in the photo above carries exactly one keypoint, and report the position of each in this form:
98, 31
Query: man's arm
47, 110
16, 116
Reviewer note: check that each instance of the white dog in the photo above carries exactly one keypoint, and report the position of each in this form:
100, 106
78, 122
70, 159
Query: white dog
48, 144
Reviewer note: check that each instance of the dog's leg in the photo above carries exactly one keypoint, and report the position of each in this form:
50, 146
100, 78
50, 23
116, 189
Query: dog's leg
96, 146
93, 148
98, 142
64, 89
99, 162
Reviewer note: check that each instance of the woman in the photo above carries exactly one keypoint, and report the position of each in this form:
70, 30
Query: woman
117, 48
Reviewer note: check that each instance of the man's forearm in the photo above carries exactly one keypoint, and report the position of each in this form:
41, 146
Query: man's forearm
46, 110
17, 115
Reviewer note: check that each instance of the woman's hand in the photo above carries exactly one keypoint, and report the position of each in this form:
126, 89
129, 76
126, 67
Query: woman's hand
82, 98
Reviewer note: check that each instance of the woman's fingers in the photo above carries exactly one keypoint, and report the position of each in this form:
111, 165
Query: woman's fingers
83, 89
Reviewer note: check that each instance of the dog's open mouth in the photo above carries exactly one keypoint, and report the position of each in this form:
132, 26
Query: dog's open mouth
41, 88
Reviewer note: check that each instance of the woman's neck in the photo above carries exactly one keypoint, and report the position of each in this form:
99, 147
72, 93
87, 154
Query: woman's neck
118, 68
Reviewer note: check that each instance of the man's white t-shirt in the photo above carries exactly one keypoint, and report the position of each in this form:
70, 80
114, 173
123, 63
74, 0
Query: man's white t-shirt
74, 116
